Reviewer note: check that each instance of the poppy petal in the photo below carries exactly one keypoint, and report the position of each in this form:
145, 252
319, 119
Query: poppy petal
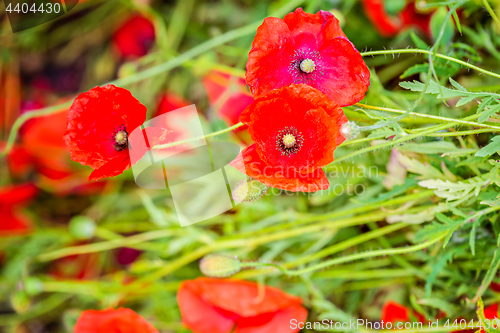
112, 168
108, 321
201, 316
346, 77
250, 163
280, 322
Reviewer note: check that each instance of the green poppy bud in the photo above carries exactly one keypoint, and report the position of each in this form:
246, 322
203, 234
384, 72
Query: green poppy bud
249, 190
219, 265
82, 227
33, 286
20, 301
350, 130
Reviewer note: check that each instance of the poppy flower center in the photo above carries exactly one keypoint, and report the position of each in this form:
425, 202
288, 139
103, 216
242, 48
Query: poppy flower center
120, 138
307, 66
289, 141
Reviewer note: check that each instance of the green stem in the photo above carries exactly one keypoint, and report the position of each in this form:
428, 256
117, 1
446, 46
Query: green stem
492, 12
458, 133
362, 208
351, 257
400, 140
438, 55
331, 250
265, 239
226, 130
104, 246
444, 119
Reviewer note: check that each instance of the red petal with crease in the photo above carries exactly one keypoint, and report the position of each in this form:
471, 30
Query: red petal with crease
112, 321
250, 163
216, 306
281, 46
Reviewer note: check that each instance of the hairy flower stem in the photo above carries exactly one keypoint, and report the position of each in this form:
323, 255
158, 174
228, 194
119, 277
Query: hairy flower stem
425, 131
357, 256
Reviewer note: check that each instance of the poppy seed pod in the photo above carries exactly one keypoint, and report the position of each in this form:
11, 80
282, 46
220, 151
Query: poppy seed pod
219, 266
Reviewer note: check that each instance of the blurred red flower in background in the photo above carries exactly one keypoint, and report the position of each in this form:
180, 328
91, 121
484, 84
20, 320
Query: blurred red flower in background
12, 198
42, 147
393, 312
112, 321
229, 96
295, 130
310, 49
134, 37
218, 306
80, 267
388, 26
41, 150
170, 101
99, 122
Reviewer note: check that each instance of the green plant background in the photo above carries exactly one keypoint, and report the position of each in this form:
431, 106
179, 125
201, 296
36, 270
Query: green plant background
424, 232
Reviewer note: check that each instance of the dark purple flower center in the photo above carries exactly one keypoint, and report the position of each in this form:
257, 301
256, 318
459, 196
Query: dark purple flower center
305, 66
289, 141
120, 138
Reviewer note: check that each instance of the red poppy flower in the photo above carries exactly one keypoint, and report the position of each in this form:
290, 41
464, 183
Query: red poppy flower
170, 101
12, 198
229, 95
495, 287
393, 312
223, 306
42, 147
388, 26
310, 49
111, 321
99, 122
490, 312
134, 37
295, 130
177, 122
80, 267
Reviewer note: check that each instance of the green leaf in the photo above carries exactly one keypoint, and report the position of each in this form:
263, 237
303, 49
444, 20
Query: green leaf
452, 191
426, 170
485, 115
490, 274
437, 21
465, 100
494, 177
472, 236
384, 132
490, 148
445, 219
456, 211
440, 304
418, 42
457, 21
457, 85
433, 88
435, 147
484, 103
415, 69
431, 231
393, 7
158, 216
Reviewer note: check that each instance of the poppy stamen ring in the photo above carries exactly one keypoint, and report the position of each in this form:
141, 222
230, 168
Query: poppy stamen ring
289, 141
120, 138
